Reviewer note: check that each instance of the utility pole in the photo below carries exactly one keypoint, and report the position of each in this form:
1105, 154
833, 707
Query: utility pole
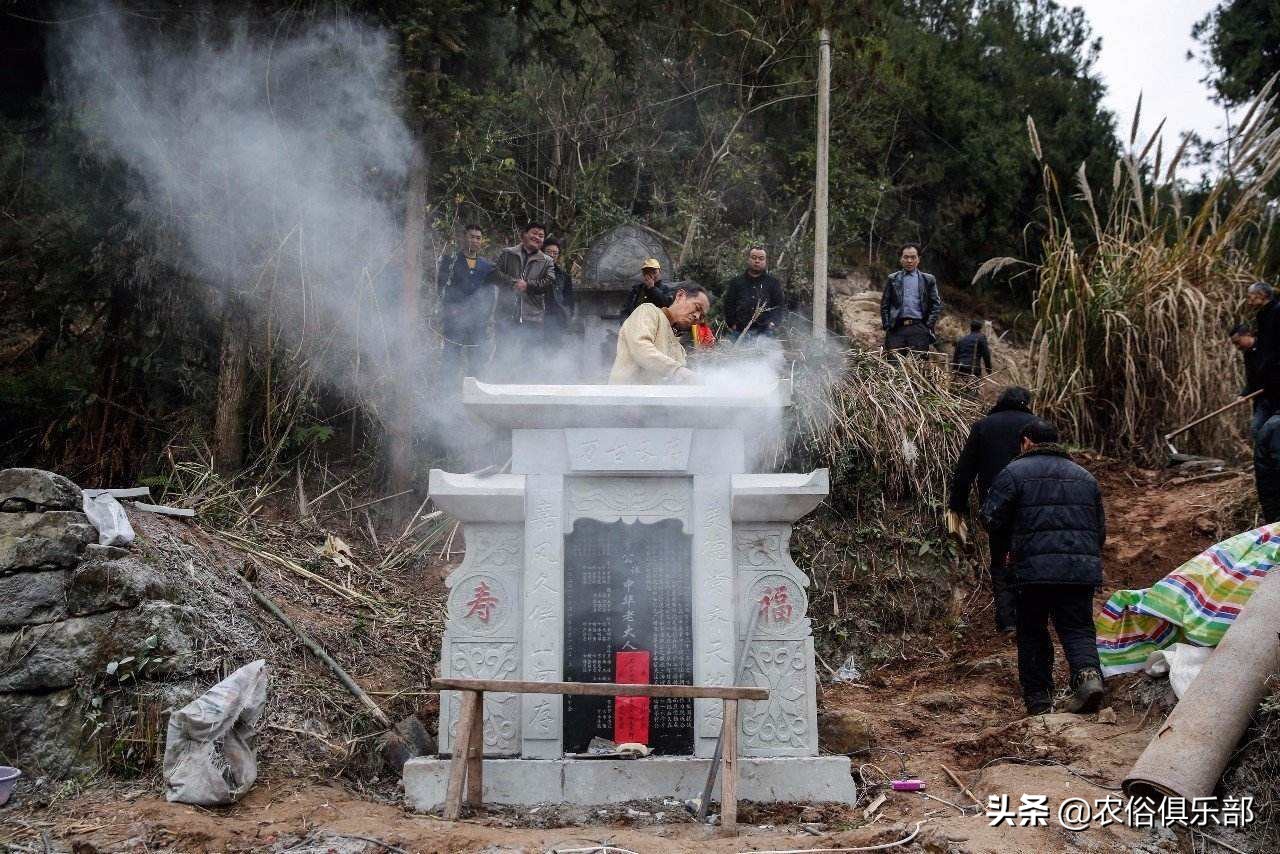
820, 190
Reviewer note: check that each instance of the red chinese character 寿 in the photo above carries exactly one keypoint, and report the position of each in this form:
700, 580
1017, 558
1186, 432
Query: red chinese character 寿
483, 603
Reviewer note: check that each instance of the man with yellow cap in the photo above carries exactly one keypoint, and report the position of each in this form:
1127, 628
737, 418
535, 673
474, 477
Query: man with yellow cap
649, 289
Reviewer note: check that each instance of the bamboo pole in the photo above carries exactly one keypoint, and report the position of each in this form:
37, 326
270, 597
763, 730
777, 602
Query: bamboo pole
320, 653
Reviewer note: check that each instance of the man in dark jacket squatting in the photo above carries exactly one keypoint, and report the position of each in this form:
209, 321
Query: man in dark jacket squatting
992, 443
1051, 511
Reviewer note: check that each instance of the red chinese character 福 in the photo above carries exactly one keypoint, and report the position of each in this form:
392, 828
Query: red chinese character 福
482, 603
776, 602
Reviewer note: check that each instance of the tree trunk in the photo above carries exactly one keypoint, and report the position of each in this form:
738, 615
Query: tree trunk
415, 225
233, 370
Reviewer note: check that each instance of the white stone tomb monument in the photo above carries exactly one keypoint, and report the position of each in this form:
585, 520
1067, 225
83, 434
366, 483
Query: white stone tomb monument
630, 522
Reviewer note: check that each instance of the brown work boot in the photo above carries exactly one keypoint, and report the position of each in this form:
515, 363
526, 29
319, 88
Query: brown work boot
1088, 693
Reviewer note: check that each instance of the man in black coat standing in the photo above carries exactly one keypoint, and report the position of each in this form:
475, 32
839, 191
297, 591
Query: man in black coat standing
1051, 511
1266, 348
972, 352
993, 442
753, 300
1245, 341
910, 305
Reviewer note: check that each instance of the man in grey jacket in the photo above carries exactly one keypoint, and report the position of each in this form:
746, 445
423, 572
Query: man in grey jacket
910, 305
526, 279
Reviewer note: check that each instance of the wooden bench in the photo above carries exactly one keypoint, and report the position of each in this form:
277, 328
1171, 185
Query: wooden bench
466, 768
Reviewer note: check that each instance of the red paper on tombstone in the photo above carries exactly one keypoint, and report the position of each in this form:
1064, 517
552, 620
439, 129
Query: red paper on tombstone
631, 714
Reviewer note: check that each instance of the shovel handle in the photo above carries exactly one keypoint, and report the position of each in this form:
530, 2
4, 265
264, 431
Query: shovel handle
1218, 411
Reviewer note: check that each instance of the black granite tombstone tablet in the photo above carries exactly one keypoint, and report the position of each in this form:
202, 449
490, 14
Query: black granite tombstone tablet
628, 587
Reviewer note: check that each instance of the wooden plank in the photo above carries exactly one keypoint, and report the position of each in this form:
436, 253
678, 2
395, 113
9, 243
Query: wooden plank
127, 492
458, 765
729, 773
475, 756
601, 689
163, 510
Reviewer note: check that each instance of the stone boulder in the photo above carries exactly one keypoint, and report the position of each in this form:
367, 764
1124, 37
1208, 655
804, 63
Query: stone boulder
45, 596
44, 734
23, 490
55, 655
43, 540
106, 585
29, 598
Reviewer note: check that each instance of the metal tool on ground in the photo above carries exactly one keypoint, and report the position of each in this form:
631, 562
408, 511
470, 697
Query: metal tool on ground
1168, 437
737, 677
402, 741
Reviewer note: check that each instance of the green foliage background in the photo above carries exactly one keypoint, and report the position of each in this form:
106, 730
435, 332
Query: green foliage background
696, 118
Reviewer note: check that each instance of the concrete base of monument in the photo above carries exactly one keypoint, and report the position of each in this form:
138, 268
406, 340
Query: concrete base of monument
590, 782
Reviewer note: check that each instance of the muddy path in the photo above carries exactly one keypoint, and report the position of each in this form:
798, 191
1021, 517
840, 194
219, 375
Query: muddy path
947, 701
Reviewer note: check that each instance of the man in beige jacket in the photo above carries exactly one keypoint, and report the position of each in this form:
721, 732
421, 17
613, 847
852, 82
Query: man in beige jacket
648, 350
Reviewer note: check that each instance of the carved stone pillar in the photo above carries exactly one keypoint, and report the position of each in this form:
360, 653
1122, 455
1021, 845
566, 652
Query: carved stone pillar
483, 629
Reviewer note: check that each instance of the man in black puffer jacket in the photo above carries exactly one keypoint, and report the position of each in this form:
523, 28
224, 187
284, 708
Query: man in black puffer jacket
992, 443
1051, 510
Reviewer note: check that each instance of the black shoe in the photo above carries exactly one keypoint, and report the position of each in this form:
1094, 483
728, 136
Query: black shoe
1088, 693
1039, 705
1006, 613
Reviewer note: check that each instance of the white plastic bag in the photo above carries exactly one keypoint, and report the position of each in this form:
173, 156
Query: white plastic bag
108, 517
210, 753
1182, 662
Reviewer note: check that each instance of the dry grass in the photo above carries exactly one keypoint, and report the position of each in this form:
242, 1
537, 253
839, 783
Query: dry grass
1131, 318
887, 429
366, 592
1255, 772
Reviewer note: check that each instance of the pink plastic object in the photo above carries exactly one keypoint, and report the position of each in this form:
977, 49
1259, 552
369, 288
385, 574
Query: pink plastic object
907, 785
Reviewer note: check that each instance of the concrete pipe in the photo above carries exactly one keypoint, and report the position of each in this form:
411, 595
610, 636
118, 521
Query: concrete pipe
1189, 753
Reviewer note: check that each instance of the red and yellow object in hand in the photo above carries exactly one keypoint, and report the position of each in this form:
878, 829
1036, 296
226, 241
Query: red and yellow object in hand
703, 337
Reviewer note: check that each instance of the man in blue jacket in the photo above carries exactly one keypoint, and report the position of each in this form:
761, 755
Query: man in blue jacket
910, 305
467, 297
1051, 511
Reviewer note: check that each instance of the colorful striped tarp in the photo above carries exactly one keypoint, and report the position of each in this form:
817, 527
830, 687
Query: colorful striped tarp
1195, 604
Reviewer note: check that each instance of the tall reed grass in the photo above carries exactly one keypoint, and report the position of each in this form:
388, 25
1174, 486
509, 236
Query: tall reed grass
1132, 317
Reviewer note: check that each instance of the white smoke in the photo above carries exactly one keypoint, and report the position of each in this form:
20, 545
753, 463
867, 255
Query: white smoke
279, 166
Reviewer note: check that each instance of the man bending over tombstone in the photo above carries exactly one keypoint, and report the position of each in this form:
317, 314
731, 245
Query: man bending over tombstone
648, 350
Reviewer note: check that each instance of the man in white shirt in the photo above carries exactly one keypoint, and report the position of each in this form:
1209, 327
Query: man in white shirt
648, 350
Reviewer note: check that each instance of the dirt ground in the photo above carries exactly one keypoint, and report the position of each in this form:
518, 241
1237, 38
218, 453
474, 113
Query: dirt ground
952, 703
